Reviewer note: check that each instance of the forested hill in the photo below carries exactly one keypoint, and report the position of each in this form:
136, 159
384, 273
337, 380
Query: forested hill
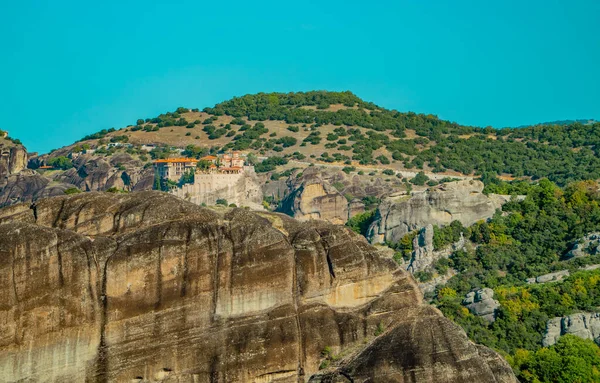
340, 127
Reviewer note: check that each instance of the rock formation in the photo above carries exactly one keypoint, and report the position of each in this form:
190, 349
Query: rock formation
461, 200
550, 277
588, 245
13, 158
314, 198
583, 325
144, 286
482, 303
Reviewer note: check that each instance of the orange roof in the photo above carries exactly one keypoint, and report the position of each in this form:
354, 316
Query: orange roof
171, 160
208, 158
231, 168
46, 167
212, 166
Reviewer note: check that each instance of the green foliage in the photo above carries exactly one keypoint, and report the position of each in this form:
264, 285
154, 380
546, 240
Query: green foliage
293, 128
270, 164
287, 141
72, 190
447, 235
419, 179
348, 169
60, 162
388, 172
222, 202
571, 359
360, 223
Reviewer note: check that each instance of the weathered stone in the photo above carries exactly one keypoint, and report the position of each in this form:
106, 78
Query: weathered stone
482, 303
145, 286
13, 158
588, 245
461, 200
315, 198
550, 277
583, 325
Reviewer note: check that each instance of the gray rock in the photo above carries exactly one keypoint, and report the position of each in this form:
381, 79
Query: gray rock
551, 277
583, 325
482, 303
588, 245
462, 201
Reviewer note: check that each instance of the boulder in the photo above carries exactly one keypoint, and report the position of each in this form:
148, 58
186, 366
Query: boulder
482, 303
550, 277
148, 287
588, 245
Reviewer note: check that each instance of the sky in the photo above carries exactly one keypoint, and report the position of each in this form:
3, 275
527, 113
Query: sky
71, 68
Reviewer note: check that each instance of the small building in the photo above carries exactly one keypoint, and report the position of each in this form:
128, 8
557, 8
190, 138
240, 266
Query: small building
212, 159
174, 168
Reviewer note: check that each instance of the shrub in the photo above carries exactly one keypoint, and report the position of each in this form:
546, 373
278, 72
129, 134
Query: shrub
72, 190
222, 202
419, 179
293, 128
388, 172
61, 162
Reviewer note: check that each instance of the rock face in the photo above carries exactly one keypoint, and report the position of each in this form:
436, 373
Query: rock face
551, 277
315, 198
13, 158
462, 201
588, 245
482, 303
583, 325
103, 287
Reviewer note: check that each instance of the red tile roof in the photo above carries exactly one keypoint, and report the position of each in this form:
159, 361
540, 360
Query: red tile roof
171, 160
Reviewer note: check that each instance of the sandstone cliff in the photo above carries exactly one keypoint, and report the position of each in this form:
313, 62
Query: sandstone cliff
314, 198
461, 200
147, 287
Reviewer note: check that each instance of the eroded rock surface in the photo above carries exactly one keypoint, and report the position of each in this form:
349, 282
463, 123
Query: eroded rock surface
588, 245
463, 201
583, 325
144, 286
482, 303
314, 198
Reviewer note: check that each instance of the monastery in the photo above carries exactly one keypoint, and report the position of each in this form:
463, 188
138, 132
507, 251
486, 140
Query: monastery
225, 177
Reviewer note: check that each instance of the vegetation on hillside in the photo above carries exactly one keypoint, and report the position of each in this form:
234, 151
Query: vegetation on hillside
529, 238
363, 131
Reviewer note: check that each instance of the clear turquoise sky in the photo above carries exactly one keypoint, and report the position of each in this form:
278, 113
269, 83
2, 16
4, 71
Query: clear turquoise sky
69, 68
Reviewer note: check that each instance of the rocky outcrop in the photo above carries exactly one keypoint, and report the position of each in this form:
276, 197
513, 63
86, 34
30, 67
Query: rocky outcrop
482, 303
588, 245
13, 158
315, 198
583, 325
462, 201
27, 185
148, 287
550, 277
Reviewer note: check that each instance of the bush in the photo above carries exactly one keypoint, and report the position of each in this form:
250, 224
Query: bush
72, 190
388, 172
61, 162
293, 128
222, 202
419, 179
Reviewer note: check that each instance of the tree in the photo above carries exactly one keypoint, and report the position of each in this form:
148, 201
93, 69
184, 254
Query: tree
61, 162
419, 179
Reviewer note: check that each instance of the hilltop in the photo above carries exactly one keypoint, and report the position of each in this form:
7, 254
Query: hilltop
340, 128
